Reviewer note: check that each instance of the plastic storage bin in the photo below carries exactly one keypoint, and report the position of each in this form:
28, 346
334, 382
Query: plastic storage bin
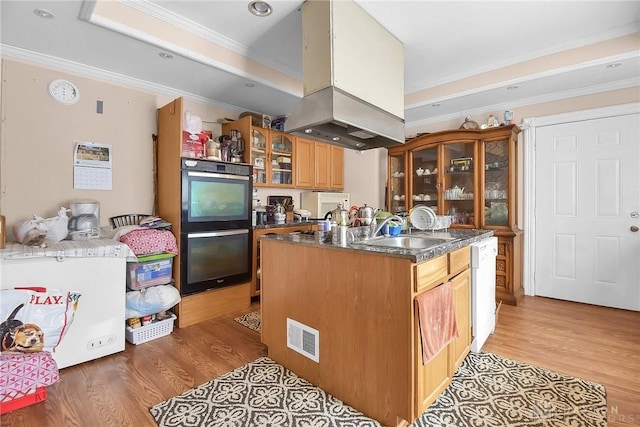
150, 332
150, 270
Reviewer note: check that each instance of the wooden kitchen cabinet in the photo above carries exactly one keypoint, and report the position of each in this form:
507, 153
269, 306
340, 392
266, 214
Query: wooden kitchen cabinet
254, 289
336, 181
433, 378
319, 166
204, 305
271, 153
471, 175
370, 353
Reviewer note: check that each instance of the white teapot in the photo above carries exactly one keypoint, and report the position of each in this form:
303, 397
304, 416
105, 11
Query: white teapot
457, 192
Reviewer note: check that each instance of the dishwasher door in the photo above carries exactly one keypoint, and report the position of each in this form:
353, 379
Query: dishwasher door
483, 291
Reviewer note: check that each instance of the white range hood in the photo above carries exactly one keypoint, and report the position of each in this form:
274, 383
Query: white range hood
353, 75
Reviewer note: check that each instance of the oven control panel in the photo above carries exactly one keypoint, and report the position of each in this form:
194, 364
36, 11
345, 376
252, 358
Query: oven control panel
218, 167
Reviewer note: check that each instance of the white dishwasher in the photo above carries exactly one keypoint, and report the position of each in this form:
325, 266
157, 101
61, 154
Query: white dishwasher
483, 290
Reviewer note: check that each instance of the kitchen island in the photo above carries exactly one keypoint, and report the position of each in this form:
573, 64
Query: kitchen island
360, 303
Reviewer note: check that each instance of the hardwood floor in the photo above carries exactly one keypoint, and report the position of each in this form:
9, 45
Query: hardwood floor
594, 343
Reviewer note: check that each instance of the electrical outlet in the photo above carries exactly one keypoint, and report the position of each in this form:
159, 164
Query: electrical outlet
101, 342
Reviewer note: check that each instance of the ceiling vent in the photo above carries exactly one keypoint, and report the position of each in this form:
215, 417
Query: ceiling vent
353, 76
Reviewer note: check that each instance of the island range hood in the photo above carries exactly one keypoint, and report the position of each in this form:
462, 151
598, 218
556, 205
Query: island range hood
353, 75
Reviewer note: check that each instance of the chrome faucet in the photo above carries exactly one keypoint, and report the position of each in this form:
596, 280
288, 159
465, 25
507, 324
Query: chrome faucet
386, 220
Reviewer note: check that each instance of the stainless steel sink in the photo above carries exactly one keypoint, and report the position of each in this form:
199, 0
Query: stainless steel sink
406, 242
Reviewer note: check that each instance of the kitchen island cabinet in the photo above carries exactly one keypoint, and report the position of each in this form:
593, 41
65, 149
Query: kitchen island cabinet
363, 306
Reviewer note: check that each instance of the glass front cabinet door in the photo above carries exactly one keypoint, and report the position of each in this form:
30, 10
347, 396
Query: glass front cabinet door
497, 203
424, 177
458, 187
258, 155
281, 164
397, 184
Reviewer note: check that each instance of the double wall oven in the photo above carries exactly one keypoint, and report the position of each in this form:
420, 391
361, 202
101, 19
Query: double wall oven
215, 238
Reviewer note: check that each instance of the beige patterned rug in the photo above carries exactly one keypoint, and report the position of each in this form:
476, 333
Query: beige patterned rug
250, 320
488, 390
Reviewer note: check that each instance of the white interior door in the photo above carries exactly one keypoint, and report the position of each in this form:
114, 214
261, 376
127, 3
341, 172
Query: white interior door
587, 200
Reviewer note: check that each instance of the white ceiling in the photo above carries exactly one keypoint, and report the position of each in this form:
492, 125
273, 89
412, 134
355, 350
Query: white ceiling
444, 41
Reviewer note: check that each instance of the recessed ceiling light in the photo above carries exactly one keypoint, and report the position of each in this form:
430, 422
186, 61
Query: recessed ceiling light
42, 13
335, 138
260, 8
249, 84
308, 131
616, 65
512, 87
165, 55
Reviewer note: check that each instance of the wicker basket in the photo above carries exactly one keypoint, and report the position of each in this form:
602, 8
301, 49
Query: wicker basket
128, 219
150, 332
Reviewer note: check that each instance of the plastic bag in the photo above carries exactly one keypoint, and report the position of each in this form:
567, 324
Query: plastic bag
35, 231
35, 319
151, 300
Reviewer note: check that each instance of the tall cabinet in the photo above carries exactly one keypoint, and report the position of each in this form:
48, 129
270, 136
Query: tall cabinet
204, 305
471, 175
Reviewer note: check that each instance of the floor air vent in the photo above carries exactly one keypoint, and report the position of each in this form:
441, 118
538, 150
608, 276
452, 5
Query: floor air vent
303, 339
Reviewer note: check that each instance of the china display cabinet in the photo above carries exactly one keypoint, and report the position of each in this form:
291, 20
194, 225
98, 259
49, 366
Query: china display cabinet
470, 175
271, 153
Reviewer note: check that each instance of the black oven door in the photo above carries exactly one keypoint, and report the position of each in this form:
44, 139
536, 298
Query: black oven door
214, 259
215, 201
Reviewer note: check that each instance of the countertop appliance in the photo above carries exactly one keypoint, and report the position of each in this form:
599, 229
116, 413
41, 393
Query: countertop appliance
483, 290
321, 202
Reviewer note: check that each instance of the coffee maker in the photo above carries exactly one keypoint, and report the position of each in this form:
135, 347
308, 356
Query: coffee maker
85, 220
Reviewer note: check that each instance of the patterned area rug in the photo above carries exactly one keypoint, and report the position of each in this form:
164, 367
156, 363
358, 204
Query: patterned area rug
250, 320
488, 390
261, 393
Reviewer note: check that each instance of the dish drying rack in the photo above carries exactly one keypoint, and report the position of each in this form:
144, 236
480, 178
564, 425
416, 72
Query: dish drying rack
442, 222
424, 218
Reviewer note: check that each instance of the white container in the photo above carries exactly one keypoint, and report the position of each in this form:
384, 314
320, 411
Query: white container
321, 202
79, 207
150, 332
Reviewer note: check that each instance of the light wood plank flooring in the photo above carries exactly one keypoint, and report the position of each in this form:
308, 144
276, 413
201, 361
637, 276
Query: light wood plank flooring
594, 343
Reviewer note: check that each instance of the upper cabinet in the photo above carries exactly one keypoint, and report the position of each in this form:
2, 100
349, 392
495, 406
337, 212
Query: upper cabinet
283, 160
471, 175
318, 165
271, 153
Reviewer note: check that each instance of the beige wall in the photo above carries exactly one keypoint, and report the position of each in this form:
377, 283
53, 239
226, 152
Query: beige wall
37, 140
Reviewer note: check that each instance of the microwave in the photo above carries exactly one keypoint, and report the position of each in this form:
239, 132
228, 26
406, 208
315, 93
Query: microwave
319, 203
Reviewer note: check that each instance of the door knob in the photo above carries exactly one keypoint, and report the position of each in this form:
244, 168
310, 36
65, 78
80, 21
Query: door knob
634, 228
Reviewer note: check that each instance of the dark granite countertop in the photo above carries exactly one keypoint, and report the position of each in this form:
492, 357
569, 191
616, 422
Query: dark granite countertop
467, 237
283, 224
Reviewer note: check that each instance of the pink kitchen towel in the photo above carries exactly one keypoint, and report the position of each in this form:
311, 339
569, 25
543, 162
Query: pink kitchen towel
438, 325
